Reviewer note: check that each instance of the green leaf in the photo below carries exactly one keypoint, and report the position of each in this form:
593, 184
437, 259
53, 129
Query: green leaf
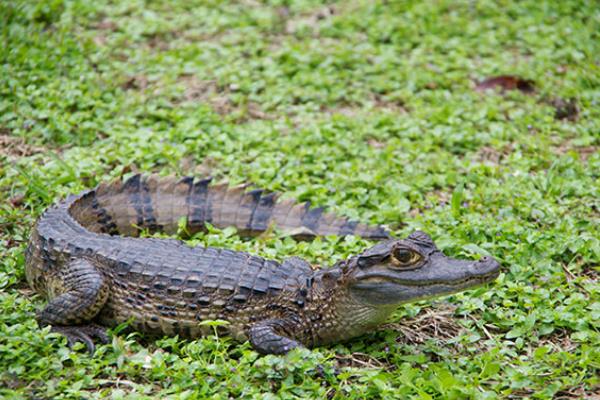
473, 248
456, 201
214, 322
515, 332
489, 370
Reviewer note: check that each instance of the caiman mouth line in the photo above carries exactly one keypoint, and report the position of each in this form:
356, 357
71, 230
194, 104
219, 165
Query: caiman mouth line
478, 279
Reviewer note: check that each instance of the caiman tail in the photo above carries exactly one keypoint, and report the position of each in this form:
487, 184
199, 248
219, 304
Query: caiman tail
158, 204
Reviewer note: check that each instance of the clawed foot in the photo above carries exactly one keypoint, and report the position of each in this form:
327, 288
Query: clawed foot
84, 334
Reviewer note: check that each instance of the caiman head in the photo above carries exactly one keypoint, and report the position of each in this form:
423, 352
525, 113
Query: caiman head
398, 271
367, 288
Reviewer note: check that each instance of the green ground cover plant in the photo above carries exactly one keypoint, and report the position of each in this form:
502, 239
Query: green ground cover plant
371, 108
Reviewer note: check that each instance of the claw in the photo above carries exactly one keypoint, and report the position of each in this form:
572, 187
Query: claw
83, 334
72, 337
97, 332
89, 344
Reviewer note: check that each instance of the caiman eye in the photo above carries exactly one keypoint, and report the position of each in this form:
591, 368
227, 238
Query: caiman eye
405, 257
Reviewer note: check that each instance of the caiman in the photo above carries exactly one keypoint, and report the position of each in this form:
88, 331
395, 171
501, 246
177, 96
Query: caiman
86, 257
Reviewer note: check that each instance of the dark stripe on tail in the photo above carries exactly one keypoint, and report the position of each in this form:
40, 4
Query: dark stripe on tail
104, 219
311, 217
198, 202
141, 201
255, 195
262, 213
132, 187
188, 181
348, 228
380, 233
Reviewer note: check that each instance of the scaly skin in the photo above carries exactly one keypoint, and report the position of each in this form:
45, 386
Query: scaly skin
84, 257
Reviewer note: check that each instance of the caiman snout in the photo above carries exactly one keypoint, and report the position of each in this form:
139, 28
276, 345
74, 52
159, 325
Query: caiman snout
487, 265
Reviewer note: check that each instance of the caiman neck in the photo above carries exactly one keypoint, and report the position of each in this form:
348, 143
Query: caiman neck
343, 315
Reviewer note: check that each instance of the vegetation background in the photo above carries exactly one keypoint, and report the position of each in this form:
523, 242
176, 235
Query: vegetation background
381, 110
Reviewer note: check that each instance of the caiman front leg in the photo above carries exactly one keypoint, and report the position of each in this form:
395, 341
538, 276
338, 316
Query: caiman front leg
83, 292
271, 337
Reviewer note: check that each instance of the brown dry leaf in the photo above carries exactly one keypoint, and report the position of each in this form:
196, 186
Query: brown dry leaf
100, 40
414, 213
376, 144
16, 146
17, 200
209, 92
136, 82
559, 340
255, 112
439, 323
584, 152
390, 105
196, 89
360, 360
591, 271
507, 82
441, 195
565, 108
106, 25
578, 393
492, 156
309, 20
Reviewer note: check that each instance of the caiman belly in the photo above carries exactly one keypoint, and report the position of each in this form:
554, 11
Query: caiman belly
174, 315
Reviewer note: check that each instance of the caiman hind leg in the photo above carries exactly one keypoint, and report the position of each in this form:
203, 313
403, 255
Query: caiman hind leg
83, 293
270, 337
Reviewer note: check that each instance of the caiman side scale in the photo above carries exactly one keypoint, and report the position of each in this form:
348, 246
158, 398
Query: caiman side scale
84, 256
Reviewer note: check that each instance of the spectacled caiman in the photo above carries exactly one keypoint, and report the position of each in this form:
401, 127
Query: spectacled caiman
86, 258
